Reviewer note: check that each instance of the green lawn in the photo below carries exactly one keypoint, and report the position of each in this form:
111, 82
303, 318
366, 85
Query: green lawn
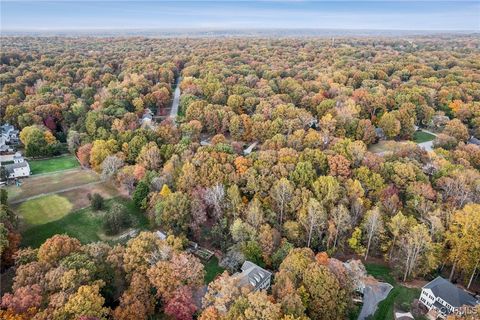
400, 297
44, 210
212, 269
421, 136
53, 164
380, 272
354, 312
84, 224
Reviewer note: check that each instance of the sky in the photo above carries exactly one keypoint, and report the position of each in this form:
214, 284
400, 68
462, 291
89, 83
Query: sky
296, 14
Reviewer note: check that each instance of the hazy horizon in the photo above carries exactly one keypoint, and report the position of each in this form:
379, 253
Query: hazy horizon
51, 16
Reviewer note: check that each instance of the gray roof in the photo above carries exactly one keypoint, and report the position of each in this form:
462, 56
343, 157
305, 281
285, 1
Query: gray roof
474, 140
6, 128
10, 167
253, 275
450, 293
160, 235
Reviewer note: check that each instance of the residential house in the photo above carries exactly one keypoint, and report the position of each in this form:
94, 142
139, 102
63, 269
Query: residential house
4, 148
254, 276
161, 235
8, 131
474, 141
250, 148
147, 119
442, 297
8, 136
380, 134
19, 168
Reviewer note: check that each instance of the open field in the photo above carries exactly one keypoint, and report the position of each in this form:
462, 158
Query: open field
52, 183
53, 164
84, 224
400, 297
385, 146
422, 136
45, 209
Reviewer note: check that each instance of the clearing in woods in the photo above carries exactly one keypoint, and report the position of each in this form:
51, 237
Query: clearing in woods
53, 164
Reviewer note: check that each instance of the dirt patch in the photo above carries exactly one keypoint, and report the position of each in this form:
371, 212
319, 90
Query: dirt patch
414, 283
51, 183
79, 196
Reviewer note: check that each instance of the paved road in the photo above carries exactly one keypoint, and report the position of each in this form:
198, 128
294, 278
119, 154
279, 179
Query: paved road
176, 100
372, 295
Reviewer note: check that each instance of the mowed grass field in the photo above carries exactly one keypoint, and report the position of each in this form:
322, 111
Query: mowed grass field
84, 224
53, 164
421, 136
45, 209
400, 297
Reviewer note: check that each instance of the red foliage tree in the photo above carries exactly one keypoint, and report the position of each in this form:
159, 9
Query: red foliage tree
181, 306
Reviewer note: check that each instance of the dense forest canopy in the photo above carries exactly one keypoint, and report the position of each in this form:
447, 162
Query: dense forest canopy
312, 184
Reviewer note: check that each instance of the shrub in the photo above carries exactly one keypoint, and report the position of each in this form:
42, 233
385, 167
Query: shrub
140, 193
116, 219
97, 202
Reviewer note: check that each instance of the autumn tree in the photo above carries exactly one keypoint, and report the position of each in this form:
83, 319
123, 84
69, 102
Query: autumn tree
173, 212
390, 125
57, 247
87, 301
282, 193
326, 297
462, 238
150, 157
373, 226
181, 305
416, 251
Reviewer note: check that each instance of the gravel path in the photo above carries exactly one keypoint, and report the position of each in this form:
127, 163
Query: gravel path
372, 296
427, 146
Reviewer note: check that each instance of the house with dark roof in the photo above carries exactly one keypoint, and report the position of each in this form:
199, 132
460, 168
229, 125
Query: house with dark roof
444, 298
19, 168
474, 141
254, 276
8, 136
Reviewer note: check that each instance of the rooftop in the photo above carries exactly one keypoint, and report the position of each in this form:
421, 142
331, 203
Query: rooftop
252, 274
13, 166
450, 293
474, 140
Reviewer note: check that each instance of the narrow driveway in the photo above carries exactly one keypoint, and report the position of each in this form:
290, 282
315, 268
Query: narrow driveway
373, 294
427, 146
176, 100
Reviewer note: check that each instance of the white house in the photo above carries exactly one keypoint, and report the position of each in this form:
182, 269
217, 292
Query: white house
254, 276
147, 119
444, 298
3, 145
250, 148
19, 168
8, 135
160, 235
